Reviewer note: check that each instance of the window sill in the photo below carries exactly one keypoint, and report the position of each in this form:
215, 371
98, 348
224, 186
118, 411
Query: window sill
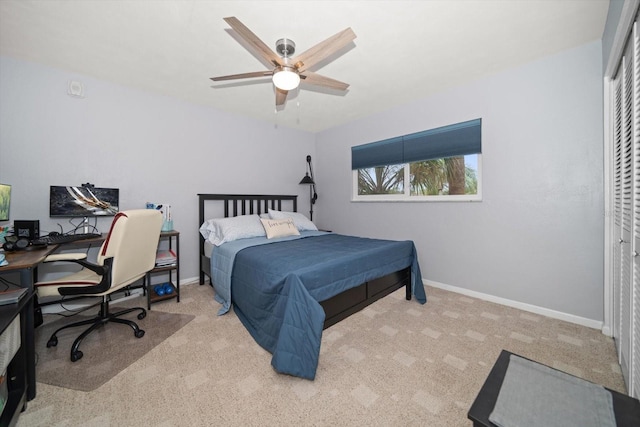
414, 199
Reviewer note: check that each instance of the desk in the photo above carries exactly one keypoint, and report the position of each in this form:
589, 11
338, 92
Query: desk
17, 369
625, 408
26, 264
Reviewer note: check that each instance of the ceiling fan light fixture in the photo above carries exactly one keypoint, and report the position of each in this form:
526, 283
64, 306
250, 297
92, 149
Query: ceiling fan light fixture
285, 79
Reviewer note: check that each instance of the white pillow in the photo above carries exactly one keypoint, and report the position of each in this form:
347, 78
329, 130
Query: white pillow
301, 221
279, 227
207, 228
221, 230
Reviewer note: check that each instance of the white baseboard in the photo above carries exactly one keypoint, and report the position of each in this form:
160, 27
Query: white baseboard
190, 281
590, 323
583, 321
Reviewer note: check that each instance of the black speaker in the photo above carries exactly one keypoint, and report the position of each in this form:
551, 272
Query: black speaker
30, 230
18, 244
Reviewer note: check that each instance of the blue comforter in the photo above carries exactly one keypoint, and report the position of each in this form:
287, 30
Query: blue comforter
277, 288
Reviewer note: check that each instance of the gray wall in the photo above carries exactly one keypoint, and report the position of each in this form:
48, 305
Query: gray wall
614, 15
537, 236
153, 148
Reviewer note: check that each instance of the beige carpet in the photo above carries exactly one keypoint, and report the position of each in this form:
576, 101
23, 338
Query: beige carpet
396, 363
106, 351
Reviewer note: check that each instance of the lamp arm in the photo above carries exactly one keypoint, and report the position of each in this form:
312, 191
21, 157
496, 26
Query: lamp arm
313, 186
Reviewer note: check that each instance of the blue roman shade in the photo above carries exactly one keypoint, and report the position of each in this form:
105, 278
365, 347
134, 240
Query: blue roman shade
448, 141
380, 153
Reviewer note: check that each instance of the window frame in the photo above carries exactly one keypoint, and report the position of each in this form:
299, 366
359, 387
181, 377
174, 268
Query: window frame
449, 141
407, 197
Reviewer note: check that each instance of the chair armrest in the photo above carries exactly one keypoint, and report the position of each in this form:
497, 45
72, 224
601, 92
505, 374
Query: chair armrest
66, 257
77, 258
102, 270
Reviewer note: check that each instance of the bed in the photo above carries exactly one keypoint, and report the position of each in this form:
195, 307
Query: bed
281, 297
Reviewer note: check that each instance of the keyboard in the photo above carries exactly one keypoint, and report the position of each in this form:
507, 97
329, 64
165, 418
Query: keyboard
64, 238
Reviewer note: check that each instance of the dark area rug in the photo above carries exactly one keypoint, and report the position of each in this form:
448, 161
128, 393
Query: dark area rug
107, 351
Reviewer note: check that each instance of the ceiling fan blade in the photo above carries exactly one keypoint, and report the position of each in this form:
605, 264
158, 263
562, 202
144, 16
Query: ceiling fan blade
281, 96
243, 76
322, 50
318, 80
257, 45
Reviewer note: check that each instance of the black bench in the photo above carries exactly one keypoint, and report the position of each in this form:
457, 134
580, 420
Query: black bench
625, 408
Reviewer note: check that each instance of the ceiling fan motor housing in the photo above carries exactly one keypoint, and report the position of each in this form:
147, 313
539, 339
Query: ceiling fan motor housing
285, 47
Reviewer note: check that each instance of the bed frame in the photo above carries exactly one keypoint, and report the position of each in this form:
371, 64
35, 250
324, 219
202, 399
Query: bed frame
336, 308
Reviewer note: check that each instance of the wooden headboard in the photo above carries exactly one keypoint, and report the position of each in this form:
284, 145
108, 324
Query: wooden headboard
247, 204
239, 204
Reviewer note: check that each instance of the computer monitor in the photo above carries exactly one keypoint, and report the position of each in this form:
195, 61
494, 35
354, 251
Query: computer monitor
5, 201
83, 201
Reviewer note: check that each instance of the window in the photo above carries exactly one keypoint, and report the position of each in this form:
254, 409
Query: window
434, 165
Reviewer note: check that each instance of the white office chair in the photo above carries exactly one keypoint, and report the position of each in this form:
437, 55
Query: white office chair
126, 255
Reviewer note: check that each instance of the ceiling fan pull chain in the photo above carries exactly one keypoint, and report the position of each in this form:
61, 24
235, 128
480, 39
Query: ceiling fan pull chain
298, 103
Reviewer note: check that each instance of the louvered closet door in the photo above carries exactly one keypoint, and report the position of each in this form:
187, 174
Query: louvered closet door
625, 187
617, 203
634, 374
624, 346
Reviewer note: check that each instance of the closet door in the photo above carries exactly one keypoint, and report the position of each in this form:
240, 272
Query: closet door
617, 204
626, 219
634, 300
624, 182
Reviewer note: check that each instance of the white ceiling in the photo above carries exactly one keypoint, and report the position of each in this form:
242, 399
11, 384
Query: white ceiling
404, 50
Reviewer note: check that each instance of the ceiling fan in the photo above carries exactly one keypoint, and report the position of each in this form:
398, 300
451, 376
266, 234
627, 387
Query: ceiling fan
287, 72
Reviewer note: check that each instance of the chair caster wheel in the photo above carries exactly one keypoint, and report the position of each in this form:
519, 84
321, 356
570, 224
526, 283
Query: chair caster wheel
53, 341
76, 355
139, 333
142, 315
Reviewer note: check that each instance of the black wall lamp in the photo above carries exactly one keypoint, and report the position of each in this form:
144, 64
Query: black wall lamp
308, 180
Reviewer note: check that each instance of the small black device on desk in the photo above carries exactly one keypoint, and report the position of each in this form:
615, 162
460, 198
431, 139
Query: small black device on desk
11, 296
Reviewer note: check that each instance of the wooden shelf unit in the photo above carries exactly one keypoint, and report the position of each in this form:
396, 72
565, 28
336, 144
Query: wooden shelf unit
174, 245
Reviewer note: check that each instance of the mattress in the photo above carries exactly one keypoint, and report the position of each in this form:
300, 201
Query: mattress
208, 248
